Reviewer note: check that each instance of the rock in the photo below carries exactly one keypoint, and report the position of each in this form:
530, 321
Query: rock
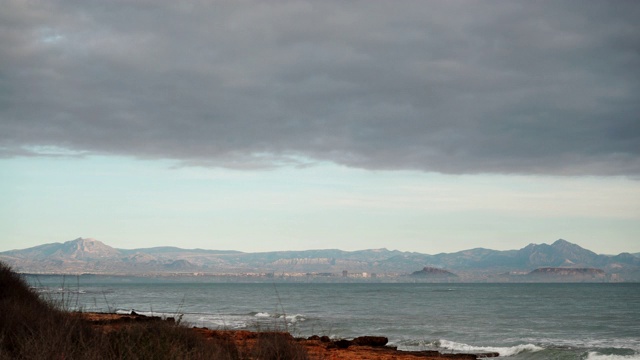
325, 339
342, 344
488, 355
374, 341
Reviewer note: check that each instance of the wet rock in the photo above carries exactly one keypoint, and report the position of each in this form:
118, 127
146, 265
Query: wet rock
374, 341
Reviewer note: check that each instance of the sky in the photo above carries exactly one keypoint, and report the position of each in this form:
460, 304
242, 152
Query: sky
427, 126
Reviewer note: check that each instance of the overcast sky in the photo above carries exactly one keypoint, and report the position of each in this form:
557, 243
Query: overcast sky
269, 125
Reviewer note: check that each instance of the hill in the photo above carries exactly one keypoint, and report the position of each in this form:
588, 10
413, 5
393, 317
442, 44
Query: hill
85, 255
433, 273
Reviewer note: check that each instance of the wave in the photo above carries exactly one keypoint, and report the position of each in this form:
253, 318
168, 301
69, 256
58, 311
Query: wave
58, 291
503, 351
289, 318
593, 355
603, 343
293, 318
144, 313
219, 321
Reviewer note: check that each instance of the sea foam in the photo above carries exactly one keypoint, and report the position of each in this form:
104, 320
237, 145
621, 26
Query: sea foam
597, 356
289, 318
503, 351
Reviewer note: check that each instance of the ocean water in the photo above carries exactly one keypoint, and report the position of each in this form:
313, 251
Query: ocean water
520, 321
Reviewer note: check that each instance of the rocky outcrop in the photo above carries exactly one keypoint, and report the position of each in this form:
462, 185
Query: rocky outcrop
370, 341
321, 347
432, 272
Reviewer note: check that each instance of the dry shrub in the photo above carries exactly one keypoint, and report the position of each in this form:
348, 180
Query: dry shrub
278, 346
31, 328
166, 341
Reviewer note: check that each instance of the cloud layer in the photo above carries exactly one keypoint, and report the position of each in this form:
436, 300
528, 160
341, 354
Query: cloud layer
445, 86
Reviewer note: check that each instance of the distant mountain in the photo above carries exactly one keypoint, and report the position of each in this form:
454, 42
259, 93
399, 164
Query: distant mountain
560, 253
168, 250
92, 256
74, 249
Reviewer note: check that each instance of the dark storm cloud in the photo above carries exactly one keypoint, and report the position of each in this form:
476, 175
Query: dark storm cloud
455, 87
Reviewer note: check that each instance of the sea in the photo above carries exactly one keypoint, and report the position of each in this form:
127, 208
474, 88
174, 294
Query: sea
593, 321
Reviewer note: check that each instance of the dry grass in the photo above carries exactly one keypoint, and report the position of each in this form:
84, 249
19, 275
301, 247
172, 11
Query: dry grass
276, 346
32, 328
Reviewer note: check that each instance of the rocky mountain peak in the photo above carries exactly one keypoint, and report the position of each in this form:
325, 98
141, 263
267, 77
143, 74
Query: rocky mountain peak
86, 248
573, 252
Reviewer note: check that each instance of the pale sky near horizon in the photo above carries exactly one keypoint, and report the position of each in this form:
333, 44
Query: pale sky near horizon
428, 126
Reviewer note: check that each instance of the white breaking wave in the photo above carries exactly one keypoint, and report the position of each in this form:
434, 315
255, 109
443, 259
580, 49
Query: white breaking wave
503, 351
597, 356
289, 318
218, 321
293, 318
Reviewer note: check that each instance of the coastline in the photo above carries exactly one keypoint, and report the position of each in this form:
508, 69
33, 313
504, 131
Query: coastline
317, 347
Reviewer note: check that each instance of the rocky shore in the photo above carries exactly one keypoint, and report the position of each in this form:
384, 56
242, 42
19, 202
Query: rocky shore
318, 347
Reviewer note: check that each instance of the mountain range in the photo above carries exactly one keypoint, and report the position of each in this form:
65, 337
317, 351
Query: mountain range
85, 255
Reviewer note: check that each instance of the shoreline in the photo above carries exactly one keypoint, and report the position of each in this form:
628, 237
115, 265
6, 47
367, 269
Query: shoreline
318, 347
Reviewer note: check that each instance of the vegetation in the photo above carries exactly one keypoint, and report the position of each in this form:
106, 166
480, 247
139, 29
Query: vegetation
32, 328
275, 346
